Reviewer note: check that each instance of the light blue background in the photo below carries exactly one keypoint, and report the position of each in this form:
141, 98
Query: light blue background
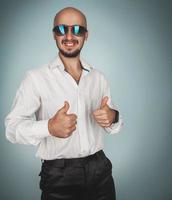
130, 41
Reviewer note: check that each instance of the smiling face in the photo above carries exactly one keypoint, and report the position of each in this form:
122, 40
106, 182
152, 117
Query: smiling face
70, 45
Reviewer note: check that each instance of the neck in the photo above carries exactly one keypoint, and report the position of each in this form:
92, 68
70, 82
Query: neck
71, 64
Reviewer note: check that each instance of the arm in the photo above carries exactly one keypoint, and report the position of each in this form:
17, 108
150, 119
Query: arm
21, 124
107, 115
116, 126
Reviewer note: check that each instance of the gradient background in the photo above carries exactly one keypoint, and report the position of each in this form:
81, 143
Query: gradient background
131, 43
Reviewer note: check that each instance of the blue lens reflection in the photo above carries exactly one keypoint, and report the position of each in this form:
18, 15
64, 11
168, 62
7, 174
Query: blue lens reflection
76, 29
62, 29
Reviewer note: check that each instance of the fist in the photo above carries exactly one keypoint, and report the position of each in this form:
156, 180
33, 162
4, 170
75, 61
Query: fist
104, 115
62, 124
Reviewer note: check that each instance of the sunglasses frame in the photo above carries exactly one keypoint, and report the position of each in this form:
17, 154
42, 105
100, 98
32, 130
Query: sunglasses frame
61, 34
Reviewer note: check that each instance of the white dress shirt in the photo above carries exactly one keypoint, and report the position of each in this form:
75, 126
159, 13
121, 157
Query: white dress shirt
42, 93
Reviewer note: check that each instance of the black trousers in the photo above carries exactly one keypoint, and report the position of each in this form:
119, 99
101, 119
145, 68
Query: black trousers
88, 178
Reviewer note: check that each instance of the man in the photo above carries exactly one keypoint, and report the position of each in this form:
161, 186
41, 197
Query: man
64, 108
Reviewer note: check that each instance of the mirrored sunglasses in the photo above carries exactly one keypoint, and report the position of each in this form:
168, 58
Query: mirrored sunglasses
76, 30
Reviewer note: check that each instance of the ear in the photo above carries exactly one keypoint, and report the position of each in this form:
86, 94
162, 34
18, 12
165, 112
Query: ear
86, 35
54, 35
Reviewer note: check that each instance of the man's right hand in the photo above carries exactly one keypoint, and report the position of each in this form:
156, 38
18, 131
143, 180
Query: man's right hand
62, 124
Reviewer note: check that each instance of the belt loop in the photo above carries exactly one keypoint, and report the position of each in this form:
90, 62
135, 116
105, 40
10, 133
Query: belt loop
63, 163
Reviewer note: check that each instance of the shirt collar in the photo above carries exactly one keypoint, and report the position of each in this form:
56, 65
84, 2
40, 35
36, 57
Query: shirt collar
57, 63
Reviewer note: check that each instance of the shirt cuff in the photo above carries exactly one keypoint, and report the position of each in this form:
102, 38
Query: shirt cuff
43, 128
37, 131
115, 127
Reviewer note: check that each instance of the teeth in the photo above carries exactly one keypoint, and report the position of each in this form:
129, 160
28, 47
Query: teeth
69, 44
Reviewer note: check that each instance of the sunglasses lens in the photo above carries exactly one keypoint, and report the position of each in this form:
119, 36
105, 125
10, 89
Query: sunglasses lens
60, 30
78, 30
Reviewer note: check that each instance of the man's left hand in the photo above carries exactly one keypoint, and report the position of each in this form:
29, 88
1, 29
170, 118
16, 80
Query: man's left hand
104, 116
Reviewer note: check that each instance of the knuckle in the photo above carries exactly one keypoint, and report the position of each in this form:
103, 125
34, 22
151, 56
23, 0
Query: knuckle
107, 125
70, 123
67, 131
74, 123
73, 128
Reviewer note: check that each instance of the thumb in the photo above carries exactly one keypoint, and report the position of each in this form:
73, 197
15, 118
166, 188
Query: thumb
65, 108
104, 101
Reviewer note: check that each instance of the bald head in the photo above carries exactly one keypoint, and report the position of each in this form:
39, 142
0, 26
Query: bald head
70, 16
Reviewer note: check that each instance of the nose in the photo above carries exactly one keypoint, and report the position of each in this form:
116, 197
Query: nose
69, 35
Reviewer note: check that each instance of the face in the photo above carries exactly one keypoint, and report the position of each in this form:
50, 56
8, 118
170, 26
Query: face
70, 45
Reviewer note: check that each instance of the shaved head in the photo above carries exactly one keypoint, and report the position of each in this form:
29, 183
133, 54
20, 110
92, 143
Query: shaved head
70, 44
70, 16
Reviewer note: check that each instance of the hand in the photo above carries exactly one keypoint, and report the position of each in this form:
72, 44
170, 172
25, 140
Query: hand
104, 116
62, 124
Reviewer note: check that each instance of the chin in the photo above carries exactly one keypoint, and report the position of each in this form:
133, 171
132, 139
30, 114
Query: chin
69, 54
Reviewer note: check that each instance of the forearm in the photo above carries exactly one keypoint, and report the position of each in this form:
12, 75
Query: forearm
26, 131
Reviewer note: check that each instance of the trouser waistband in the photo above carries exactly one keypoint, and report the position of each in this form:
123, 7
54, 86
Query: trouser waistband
74, 161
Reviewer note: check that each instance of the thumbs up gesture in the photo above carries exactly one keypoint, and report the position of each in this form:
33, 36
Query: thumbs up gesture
104, 115
62, 124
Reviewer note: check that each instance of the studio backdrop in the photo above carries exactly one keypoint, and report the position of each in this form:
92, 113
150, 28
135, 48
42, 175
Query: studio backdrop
130, 42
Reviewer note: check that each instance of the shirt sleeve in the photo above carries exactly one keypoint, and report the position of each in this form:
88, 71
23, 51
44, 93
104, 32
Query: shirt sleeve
115, 127
21, 124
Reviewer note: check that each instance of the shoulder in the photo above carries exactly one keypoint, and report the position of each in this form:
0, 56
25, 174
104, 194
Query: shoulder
39, 71
97, 73
38, 74
34, 77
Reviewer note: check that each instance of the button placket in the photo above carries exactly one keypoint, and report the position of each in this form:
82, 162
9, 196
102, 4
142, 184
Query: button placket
84, 146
